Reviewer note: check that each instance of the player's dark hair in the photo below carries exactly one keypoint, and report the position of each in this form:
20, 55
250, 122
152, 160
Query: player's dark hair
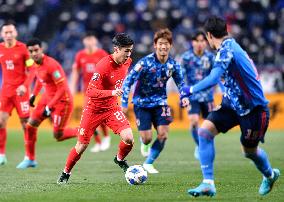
197, 34
33, 42
7, 23
216, 26
122, 40
165, 34
89, 34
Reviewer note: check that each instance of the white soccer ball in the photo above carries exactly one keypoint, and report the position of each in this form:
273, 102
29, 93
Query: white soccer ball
136, 175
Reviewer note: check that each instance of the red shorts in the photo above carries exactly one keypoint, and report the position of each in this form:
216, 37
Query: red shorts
91, 119
60, 114
21, 103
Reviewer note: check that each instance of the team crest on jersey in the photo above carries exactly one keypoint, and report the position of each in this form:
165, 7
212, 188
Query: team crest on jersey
56, 74
170, 70
205, 62
96, 76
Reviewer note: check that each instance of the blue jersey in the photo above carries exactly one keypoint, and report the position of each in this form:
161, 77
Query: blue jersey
243, 90
150, 78
195, 69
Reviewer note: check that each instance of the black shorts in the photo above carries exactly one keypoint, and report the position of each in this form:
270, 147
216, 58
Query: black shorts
253, 125
145, 117
200, 107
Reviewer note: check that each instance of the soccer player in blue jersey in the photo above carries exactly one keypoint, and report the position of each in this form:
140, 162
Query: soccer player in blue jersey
243, 104
150, 76
197, 64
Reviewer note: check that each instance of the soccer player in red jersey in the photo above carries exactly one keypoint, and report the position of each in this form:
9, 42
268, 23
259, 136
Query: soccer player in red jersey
14, 59
102, 106
57, 101
85, 62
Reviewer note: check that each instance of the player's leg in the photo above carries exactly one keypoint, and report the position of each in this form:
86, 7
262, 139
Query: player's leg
6, 107
254, 126
89, 121
60, 116
4, 116
194, 110
144, 124
220, 120
119, 124
31, 129
98, 142
161, 117
106, 140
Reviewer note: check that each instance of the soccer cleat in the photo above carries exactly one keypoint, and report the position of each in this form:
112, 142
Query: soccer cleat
145, 149
196, 153
63, 179
96, 148
150, 168
204, 189
122, 164
267, 184
105, 143
3, 160
27, 163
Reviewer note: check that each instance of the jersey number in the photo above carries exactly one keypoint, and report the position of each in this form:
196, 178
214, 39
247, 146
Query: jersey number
25, 107
166, 111
10, 64
119, 115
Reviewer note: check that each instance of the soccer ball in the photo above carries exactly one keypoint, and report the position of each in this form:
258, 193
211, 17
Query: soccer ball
136, 175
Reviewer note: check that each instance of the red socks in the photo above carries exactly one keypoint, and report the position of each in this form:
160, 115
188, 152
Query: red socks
30, 140
3, 139
123, 150
104, 130
72, 159
68, 133
97, 137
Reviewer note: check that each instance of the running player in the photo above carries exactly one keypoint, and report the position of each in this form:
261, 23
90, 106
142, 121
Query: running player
151, 74
102, 105
57, 101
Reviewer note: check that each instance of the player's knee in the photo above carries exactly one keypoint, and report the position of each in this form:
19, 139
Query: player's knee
162, 137
128, 138
3, 122
57, 135
146, 140
80, 147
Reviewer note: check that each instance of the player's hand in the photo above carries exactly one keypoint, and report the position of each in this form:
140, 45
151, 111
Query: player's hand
124, 110
32, 100
46, 112
21, 90
117, 92
185, 102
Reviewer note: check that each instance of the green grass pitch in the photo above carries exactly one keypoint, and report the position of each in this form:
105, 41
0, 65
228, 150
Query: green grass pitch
97, 178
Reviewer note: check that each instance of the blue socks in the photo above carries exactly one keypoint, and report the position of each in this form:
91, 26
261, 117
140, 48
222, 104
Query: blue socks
206, 153
194, 133
261, 161
155, 151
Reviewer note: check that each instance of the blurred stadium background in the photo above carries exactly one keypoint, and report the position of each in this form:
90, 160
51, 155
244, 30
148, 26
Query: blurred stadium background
256, 24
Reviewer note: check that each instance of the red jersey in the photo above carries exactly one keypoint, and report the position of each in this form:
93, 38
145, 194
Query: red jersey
51, 76
108, 76
86, 62
13, 67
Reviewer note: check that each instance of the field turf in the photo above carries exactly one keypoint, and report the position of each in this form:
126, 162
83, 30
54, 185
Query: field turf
97, 178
